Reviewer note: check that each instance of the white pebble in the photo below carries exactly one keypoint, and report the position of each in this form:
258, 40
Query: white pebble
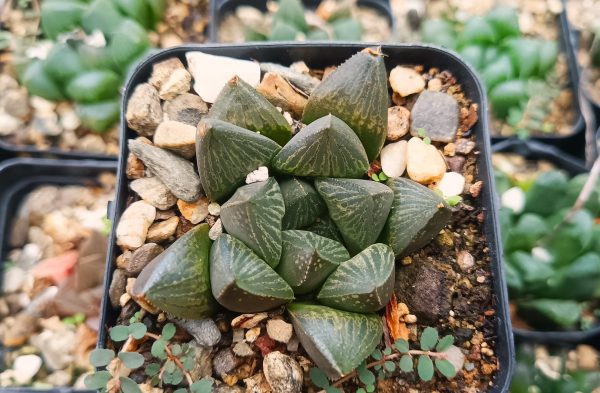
26, 366
214, 209
453, 183
261, 174
216, 230
393, 159
541, 254
514, 198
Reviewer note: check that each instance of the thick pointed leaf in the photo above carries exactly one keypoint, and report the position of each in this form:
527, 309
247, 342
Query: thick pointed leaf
128, 42
364, 283
359, 209
307, 259
326, 147
63, 62
241, 281
548, 314
101, 15
357, 93
302, 203
417, 216
60, 16
337, 341
292, 13
177, 281
39, 83
227, 153
324, 226
94, 86
99, 116
240, 104
253, 215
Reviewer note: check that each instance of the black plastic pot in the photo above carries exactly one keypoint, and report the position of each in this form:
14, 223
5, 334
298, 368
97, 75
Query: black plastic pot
320, 55
574, 143
51, 152
220, 8
536, 151
20, 176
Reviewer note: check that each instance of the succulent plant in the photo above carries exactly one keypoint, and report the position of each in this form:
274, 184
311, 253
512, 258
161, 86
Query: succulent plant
91, 74
293, 234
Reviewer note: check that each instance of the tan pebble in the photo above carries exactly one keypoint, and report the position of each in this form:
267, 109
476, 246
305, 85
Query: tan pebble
124, 299
132, 228
424, 164
281, 94
163, 70
480, 279
434, 85
177, 137
214, 209
163, 230
406, 261
475, 188
279, 330
410, 318
398, 123
587, 357
194, 212
252, 334
144, 112
465, 261
179, 82
248, 321
406, 81
450, 149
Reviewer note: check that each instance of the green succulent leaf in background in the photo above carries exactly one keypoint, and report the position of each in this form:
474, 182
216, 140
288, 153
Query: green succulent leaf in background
227, 153
64, 63
478, 30
546, 313
364, 283
326, 147
60, 16
99, 116
416, 217
347, 30
307, 259
438, 31
177, 280
283, 31
580, 280
357, 93
39, 83
571, 238
359, 209
507, 95
551, 183
292, 13
505, 21
241, 281
94, 86
338, 341
303, 205
240, 104
101, 15
138, 10
253, 215
128, 41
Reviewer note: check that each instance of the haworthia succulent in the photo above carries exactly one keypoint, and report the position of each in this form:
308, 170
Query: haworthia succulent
417, 216
253, 215
357, 93
359, 209
307, 259
227, 153
364, 283
241, 281
240, 104
177, 280
302, 203
337, 341
326, 147
325, 227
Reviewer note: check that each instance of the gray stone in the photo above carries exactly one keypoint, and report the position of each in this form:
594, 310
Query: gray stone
142, 257
223, 388
117, 286
225, 361
203, 366
144, 112
283, 373
437, 114
186, 108
175, 172
204, 331
425, 289
154, 191
456, 163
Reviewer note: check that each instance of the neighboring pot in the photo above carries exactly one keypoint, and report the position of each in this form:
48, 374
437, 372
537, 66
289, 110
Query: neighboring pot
52, 152
220, 8
532, 150
20, 176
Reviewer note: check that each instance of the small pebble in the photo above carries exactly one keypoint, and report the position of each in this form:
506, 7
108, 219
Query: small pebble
393, 159
283, 373
424, 163
216, 230
406, 81
214, 209
252, 334
514, 199
465, 261
25, 367
134, 223
480, 279
279, 330
162, 230
194, 212
261, 174
242, 349
398, 123
451, 184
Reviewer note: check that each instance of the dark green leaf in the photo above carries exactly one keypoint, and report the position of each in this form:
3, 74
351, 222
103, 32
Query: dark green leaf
438, 31
524, 52
499, 71
444, 343
429, 338
128, 42
370, 388
100, 357
505, 21
97, 380
478, 30
445, 367
101, 15
139, 10
283, 31
402, 345
545, 313
551, 183
63, 62
425, 368
332, 389
377, 355
473, 54
131, 360
406, 363
303, 205
507, 95
319, 378
129, 386
387, 351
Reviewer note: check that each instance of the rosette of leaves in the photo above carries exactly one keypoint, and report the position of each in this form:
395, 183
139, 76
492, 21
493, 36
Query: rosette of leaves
91, 74
294, 233
511, 66
289, 24
552, 264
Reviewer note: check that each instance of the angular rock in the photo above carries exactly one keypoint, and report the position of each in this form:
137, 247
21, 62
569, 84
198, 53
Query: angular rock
142, 257
153, 191
179, 82
9, 124
464, 146
425, 164
225, 361
398, 123
216, 230
144, 113
437, 114
195, 212
177, 137
425, 289
205, 331
226, 153
175, 172
212, 72
134, 223
261, 174
406, 81
135, 167
243, 349
117, 286
283, 373
162, 230
393, 159
204, 361
305, 83
303, 205
456, 163
280, 330
162, 71
451, 184
280, 93
186, 108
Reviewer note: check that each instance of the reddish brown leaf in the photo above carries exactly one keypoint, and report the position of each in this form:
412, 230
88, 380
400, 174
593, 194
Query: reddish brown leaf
393, 314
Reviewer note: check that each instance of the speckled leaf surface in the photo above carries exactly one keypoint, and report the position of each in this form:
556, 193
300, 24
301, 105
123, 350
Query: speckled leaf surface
177, 280
241, 281
364, 283
417, 216
307, 259
226, 153
359, 209
337, 341
302, 203
240, 104
326, 147
357, 93
253, 215
324, 226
